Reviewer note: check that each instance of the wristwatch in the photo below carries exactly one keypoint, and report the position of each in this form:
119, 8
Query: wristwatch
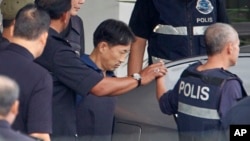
137, 77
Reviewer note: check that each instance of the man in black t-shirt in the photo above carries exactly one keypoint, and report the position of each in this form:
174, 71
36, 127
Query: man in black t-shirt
35, 82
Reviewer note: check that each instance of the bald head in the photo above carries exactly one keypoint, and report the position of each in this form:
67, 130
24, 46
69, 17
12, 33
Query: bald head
217, 36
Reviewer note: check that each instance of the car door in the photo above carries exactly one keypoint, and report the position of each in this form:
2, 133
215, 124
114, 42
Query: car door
138, 116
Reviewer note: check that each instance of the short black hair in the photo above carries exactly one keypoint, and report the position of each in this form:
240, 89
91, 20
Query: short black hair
114, 32
55, 8
31, 22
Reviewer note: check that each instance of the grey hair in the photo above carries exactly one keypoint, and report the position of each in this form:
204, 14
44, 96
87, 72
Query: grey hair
9, 93
217, 36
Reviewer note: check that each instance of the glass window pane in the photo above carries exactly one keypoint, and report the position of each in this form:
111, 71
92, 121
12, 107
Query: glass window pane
239, 14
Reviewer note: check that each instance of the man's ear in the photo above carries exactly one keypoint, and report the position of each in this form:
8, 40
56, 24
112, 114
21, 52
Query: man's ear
103, 46
229, 47
14, 108
43, 38
12, 28
65, 17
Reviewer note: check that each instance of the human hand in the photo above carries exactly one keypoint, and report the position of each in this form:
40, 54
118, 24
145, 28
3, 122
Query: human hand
153, 71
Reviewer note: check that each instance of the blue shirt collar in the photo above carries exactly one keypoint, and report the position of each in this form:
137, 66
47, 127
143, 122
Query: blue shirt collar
86, 59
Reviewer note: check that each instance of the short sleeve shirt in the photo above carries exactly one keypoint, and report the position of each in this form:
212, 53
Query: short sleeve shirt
35, 108
70, 76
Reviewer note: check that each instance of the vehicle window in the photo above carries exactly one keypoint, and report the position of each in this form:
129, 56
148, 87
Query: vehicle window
239, 14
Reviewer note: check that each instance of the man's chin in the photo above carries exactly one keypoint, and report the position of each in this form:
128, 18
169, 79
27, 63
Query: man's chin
74, 13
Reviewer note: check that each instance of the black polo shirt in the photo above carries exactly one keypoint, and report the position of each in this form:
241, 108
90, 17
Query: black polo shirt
35, 89
70, 76
7, 134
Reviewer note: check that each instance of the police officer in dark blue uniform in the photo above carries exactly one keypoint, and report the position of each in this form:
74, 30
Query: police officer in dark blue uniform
205, 92
74, 33
174, 29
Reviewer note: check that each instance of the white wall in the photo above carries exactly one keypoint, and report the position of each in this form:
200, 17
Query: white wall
93, 12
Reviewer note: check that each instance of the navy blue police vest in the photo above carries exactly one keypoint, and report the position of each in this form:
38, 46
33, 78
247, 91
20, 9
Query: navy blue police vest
199, 100
181, 26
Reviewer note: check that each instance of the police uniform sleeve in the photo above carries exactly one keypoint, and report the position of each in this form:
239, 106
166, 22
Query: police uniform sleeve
230, 94
221, 12
40, 107
143, 18
73, 73
169, 101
